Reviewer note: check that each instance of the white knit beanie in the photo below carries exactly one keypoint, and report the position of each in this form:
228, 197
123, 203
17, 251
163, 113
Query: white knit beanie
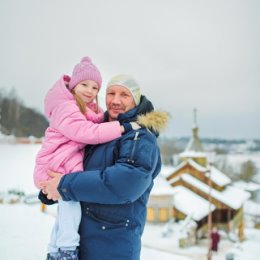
128, 82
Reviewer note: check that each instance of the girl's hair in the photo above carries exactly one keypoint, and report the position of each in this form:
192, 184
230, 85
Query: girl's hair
81, 104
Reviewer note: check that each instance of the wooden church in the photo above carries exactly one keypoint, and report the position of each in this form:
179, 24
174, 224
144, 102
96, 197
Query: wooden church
196, 189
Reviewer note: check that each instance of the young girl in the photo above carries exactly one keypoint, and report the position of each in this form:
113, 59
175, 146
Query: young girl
75, 120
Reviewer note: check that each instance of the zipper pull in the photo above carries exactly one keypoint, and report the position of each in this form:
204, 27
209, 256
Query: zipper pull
131, 159
136, 136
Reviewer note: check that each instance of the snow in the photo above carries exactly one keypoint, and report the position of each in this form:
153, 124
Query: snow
249, 186
167, 170
238, 159
25, 233
162, 186
247, 250
197, 166
219, 177
25, 230
17, 164
190, 203
252, 208
193, 154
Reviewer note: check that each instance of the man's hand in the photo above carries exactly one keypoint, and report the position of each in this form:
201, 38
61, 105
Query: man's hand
50, 187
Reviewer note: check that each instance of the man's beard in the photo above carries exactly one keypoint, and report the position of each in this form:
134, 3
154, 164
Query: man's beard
116, 107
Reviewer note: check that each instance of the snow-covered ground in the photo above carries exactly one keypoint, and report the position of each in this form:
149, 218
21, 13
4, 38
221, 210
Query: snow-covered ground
25, 229
25, 233
248, 250
236, 160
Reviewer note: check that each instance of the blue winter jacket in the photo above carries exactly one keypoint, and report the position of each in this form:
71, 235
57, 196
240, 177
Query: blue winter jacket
114, 190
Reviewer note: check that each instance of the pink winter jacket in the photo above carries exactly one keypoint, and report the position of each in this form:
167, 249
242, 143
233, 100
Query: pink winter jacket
69, 132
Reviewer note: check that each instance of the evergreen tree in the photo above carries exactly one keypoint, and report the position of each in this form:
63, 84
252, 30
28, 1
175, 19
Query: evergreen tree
19, 120
248, 171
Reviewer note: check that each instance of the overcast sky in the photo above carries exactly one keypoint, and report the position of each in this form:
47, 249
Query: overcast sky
185, 54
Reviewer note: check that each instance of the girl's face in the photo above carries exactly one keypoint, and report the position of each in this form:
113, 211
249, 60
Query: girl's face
87, 90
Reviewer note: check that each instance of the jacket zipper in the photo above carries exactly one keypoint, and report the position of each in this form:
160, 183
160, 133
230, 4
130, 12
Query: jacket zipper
131, 159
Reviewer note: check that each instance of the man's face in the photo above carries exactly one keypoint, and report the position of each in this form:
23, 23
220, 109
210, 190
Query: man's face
118, 101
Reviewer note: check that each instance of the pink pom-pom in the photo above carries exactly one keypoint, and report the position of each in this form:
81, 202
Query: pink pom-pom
86, 59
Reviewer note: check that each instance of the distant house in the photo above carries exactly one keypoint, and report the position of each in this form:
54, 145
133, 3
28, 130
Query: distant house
252, 187
196, 188
160, 204
252, 206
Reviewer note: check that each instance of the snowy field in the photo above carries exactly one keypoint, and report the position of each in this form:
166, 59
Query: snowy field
237, 159
25, 230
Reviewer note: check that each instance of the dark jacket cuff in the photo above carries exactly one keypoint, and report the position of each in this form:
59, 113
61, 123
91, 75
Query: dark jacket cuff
43, 198
127, 127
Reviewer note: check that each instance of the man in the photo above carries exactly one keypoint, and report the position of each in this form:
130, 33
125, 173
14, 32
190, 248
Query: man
118, 179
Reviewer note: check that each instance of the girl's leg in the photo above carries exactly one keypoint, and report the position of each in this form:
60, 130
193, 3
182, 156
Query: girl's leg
52, 246
69, 218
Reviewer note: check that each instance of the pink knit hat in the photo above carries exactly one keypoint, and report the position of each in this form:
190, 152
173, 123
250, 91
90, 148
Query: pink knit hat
85, 70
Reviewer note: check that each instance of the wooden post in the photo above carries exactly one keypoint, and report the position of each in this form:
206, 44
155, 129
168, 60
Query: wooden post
43, 207
211, 157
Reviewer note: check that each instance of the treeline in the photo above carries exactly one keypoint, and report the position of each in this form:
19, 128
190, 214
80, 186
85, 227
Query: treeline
247, 171
17, 119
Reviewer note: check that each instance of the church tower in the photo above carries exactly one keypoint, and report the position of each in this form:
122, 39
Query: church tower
194, 148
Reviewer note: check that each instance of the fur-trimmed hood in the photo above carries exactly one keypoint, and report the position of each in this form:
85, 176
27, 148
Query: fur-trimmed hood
145, 115
156, 121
